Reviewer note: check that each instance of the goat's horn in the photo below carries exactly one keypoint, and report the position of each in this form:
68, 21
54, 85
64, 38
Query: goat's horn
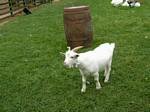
77, 48
69, 48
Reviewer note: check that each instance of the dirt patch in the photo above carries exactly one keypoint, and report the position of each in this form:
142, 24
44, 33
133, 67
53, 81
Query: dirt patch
4, 22
56, 0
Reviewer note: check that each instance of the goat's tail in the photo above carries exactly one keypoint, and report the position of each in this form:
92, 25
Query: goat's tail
112, 45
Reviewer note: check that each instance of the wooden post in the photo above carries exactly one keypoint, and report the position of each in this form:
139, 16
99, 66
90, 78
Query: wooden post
10, 7
34, 2
50, 1
17, 1
24, 3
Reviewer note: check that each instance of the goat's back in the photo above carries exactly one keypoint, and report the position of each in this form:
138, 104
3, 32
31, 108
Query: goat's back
101, 54
106, 47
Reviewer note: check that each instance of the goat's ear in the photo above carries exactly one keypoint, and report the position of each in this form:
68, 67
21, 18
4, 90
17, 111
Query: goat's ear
62, 53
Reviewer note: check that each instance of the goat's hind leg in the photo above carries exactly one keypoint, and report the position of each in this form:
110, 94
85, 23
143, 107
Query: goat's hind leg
96, 78
83, 82
107, 71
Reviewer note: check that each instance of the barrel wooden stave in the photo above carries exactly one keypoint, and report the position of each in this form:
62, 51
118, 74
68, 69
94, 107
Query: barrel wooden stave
78, 26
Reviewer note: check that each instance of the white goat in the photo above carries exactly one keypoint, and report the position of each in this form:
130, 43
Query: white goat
128, 3
91, 62
116, 2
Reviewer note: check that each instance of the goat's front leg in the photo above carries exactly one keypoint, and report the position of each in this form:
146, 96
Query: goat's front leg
96, 78
83, 82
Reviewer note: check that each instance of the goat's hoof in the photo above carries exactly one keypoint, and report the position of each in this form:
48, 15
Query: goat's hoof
83, 90
88, 82
106, 81
98, 88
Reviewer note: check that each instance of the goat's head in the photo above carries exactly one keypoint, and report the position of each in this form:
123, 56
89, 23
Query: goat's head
71, 56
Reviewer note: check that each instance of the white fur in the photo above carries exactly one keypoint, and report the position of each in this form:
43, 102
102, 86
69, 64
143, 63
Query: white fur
125, 3
116, 2
91, 62
137, 4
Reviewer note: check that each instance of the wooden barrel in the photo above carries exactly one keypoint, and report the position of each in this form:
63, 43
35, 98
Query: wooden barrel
78, 27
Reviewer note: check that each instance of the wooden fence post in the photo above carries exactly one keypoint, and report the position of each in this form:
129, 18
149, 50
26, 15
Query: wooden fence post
49, 1
34, 2
24, 3
10, 7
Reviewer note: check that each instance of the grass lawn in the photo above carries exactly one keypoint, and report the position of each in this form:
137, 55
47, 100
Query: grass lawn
32, 75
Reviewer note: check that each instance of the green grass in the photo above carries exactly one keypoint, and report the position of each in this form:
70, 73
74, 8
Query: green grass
33, 78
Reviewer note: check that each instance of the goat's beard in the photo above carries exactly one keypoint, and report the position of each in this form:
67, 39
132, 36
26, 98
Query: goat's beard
70, 65
74, 65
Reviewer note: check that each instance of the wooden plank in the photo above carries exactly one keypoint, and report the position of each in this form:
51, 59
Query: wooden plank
5, 12
18, 11
5, 16
4, 3
8, 14
17, 8
4, 8
21, 2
